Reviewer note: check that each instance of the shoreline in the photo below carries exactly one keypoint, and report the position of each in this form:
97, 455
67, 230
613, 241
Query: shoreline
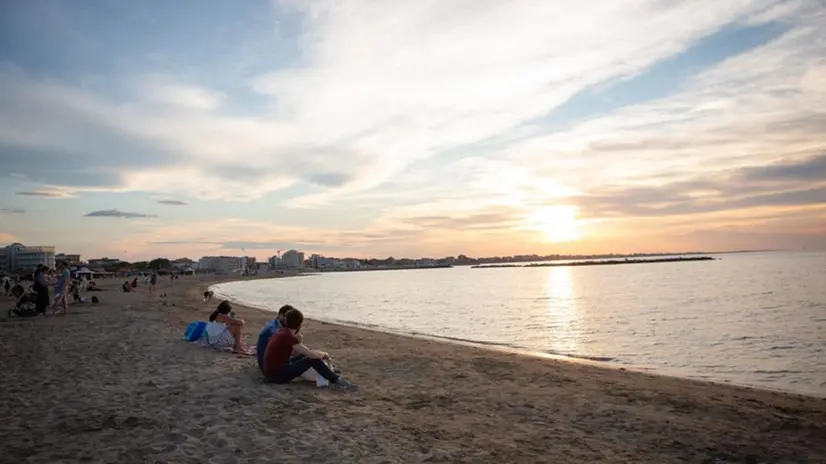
602, 362
610, 262
149, 396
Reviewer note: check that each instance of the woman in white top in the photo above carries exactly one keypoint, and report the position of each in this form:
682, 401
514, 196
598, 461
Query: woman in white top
224, 330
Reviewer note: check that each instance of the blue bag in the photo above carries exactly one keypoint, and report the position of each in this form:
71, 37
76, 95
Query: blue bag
194, 331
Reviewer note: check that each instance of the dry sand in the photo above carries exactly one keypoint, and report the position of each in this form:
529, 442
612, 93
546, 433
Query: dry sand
116, 383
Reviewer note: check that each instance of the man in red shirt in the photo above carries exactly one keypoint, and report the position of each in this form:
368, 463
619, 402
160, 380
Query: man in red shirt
277, 366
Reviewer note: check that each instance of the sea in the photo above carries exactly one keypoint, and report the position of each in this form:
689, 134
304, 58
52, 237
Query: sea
755, 319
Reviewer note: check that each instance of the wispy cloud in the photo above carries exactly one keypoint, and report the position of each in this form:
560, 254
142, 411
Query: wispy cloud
791, 183
173, 202
451, 83
114, 213
12, 211
46, 193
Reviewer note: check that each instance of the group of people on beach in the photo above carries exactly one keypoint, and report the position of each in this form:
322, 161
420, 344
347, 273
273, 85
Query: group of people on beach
38, 292
63, 279
150, 279
280, 351
64, 287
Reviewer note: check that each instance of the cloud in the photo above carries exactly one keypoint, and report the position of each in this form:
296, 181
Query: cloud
173, 202
166, 91
46, 193
252, 245
812, 169
118, 214
795, 182
486, 220
12, 211
376, 89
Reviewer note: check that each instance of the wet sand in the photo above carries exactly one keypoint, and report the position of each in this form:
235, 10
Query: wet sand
116, 383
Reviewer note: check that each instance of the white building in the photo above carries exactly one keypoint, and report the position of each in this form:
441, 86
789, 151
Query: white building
222, 263
184, 263
71, 259
293, 259
103, 262
18, 256
321, 262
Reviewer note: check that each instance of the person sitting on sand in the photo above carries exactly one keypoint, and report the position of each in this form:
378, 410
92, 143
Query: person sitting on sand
268, 331
224, 330
126, 287
278, 368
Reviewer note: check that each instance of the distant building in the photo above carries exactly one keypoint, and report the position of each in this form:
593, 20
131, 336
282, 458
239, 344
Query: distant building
184, 263
103, 262
18, 256
293, 259
71, 259
322, 262
222, 263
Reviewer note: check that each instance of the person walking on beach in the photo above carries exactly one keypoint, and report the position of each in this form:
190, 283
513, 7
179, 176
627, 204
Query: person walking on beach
61, 290
278, 368
153, 280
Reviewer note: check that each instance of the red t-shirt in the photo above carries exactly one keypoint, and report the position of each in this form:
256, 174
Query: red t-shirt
278, 352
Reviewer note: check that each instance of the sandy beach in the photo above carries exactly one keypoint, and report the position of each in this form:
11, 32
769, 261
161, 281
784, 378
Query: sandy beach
115, 382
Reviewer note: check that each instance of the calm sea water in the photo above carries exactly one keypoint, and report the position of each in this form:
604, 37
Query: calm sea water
755, 319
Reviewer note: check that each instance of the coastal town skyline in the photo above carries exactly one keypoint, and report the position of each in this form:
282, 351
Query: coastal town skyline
19, 257
145, 129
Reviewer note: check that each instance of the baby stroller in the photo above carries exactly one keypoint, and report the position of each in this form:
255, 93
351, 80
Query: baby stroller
26, 305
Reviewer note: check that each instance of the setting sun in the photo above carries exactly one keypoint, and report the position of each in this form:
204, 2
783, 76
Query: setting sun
557, 223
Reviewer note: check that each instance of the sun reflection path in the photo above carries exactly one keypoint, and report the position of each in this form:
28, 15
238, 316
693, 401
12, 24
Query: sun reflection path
564, 336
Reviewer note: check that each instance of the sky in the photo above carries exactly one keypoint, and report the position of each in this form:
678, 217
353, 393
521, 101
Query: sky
395, 128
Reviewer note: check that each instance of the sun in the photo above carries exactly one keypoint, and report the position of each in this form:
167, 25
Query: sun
557, 223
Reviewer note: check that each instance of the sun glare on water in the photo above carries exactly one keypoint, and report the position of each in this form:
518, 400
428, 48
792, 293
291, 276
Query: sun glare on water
557, 223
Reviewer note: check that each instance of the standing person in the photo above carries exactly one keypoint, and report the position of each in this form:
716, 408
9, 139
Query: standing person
61, 290
42, 289
153, 280
278, 367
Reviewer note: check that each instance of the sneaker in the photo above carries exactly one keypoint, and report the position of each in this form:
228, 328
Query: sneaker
343, 385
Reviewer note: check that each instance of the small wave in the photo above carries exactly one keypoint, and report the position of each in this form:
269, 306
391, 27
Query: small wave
783, 347
463, 340
582, 356
778, 371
